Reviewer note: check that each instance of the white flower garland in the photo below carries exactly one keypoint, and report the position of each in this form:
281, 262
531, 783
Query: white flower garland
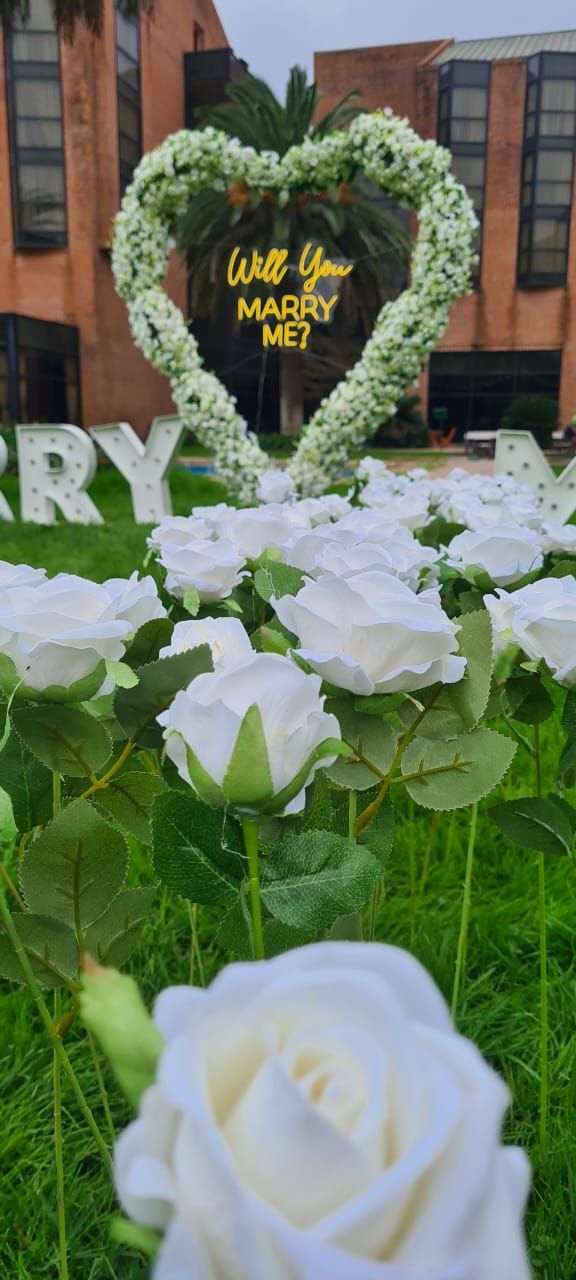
415, 172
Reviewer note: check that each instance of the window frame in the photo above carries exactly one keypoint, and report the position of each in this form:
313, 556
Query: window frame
456, 75
20, 334
48, 70
133, 97
540, 70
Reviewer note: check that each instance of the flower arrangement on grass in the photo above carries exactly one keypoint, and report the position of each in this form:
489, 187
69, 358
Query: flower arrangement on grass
252, 712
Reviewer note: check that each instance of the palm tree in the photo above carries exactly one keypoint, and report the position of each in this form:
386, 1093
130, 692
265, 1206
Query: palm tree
68, 12
346, 221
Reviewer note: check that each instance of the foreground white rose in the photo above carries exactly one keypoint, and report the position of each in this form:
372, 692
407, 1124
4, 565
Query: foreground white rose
179, 531
506, 552
228, 639
541, 619
20, 575
58, 632
213, 569
275, 486
253, 529
558, 537
317, 1117
135, 600
372, 634
251, 736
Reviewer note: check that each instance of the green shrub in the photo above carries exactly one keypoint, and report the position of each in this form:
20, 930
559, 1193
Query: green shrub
538, 414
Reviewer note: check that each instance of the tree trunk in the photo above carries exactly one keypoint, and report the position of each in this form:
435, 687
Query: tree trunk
291, 392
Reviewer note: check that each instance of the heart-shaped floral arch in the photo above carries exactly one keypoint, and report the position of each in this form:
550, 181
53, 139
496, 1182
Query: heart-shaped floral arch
415, 172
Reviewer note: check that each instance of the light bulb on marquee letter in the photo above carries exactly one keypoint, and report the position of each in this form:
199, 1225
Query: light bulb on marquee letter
144, 464
56, 462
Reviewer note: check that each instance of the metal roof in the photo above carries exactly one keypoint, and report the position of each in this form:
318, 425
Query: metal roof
508, 47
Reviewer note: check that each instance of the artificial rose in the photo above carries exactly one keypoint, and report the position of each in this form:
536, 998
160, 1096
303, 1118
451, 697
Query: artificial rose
228, 639
558, 537
541, 619
20, 575
135, 599
372, 634
275, 486
505, 552
264, 717
409, 508
179, 531
307, 550
213, 569
253, 529
371, 469
59, 632
317, 1117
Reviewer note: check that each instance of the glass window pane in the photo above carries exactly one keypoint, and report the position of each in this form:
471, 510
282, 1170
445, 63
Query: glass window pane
129, 118
38, 98
39, 133
531, 97
550, 233
468, 130
557, 124
34, 46
127, 35
530, 126
41, 191
40, 16
524, 235
128, 74
548, 263
553, 193
129, 151
558, 95
444, 100
469, 169
469, 102
554, 166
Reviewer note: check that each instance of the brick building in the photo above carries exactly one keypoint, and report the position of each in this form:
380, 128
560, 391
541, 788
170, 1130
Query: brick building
74, 121
507, 109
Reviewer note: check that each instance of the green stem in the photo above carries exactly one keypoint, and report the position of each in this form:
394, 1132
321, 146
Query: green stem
58, 1151
250, 831
352, 812
195, 952
8, 881
101, 1085
42, 1008
372, 809
543, 947
56, 794
465, 913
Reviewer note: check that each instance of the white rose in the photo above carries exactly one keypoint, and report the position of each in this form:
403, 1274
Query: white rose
20, 575
228, 639
135, 599
541, 619
506, 552
372, 634
252, 529
410, 509
554, 537
179, 531
203, 724
371, 468
59, 631
212, 568
307, 550
275, 486
317, 1117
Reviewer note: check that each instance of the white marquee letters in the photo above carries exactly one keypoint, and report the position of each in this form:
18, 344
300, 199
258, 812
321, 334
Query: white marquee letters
144, 465
519, 455
56, 462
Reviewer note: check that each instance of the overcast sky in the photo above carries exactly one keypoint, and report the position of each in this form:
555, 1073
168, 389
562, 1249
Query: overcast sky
273, 35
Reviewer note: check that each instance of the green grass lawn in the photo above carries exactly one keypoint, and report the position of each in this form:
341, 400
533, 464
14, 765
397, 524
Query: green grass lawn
499, 1005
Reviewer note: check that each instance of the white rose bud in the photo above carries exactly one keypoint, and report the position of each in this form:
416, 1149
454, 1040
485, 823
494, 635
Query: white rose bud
213, 569
251, 736
59, 633
372, 634
228, 639
135, 600
506, 552
541, 619
317, 1117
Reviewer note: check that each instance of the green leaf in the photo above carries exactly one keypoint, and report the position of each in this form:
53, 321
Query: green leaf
159, 682
534, 823
191, 601
275, 579
563, 569
235, 933
317, 815
274, 641
51, 948
460, 706
248, 780
464, 768
569, 714
527, 699
74, 868
148, 641
121, 674
566, 808
112, 937
378, 834
316, 877
128, 799
27, 782
380, 704
567, 761
196, 850
68, 741
370, 736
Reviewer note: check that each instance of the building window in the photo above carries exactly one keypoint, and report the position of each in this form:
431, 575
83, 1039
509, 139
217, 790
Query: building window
35, 124
463, 126
475, 387
547, 169
129, 95
199, 38
39, 371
